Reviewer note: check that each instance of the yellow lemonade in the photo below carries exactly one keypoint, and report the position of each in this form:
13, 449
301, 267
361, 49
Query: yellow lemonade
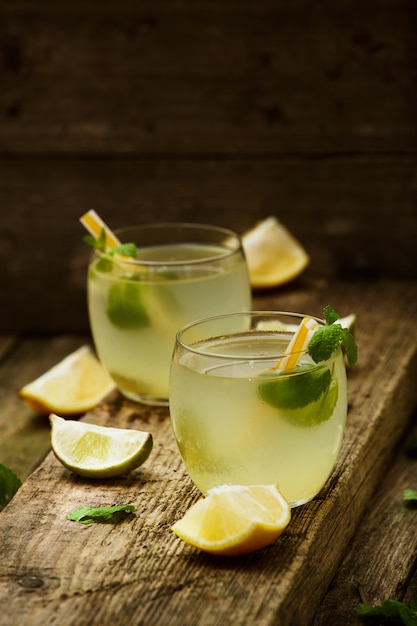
238, 421
137, 307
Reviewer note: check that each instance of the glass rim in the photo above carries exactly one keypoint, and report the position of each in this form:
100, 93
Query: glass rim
251, 314
190, 226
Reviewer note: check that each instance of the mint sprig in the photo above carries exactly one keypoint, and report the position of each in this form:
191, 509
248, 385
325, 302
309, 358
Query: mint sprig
101, 515
9, 485
125, 249
327, 339
410, 495
390, 612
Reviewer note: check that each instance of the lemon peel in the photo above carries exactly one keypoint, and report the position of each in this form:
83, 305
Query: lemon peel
274, 256
73, 386
233, 520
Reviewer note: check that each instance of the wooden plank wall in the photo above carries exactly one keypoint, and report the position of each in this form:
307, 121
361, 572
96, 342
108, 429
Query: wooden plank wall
220, 111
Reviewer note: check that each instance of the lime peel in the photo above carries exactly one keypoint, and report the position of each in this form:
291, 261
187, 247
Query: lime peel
98, 451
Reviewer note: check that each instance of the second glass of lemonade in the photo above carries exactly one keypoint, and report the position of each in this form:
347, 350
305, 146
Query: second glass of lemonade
238, 419
182, 272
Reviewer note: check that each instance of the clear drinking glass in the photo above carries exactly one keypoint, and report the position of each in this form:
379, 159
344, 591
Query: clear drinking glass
237, 420
183, 272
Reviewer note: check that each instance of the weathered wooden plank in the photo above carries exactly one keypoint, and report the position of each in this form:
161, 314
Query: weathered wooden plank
53, 569
356, 219
380, 562
207, 77
24, 435
6, 344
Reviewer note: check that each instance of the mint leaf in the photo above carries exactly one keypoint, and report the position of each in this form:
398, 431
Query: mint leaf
125, 249
327, 339
101, 515
330, 315
9, 485
97, 244
391, 612
325, 342
410, 495
125, 308
350, 347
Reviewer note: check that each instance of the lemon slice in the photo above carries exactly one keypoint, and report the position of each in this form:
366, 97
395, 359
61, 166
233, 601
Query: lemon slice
73, 386
273, 255
98, 451
348, 321
235, 519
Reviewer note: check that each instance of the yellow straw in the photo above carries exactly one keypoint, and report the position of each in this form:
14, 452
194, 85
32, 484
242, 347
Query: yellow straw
297, 345
94, 224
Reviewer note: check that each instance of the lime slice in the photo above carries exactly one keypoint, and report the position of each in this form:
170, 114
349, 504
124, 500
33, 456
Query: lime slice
124, 306
306, 397
98, 451
316, 412
235, 519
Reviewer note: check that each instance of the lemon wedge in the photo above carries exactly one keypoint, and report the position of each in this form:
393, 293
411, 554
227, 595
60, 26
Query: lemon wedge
98, 451
235, 519
73, 386
273, 255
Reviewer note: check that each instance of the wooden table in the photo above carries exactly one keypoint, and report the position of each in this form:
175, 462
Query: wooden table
358, 530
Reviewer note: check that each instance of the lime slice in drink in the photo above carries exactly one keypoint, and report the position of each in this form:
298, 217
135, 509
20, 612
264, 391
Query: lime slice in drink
306, 397
124, 306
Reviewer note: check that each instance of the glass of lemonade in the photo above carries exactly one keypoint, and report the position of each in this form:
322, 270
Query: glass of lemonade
238, 420
182, 272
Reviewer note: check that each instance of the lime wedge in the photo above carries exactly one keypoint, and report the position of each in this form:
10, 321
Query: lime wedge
306, 397
98, 451
125, 308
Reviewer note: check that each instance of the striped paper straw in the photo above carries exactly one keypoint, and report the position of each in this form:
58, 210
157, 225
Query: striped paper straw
94, 224
297, 345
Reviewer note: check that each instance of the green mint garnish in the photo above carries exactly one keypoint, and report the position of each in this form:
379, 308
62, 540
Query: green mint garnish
97, 244
9, 485
101, 515
410, 495
124, 306
128, 250
125, 249
330, 315
328, 338
390, 612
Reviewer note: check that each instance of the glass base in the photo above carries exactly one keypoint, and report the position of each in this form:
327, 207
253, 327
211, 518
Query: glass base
144, 399
294, 503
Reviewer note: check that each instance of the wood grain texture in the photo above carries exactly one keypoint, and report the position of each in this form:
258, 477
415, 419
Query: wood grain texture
207, 77
380, 561
203, 111
24, 435
53, 569
356, 220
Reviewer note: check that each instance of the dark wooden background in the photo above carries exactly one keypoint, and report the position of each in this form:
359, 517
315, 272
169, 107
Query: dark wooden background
221, 111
